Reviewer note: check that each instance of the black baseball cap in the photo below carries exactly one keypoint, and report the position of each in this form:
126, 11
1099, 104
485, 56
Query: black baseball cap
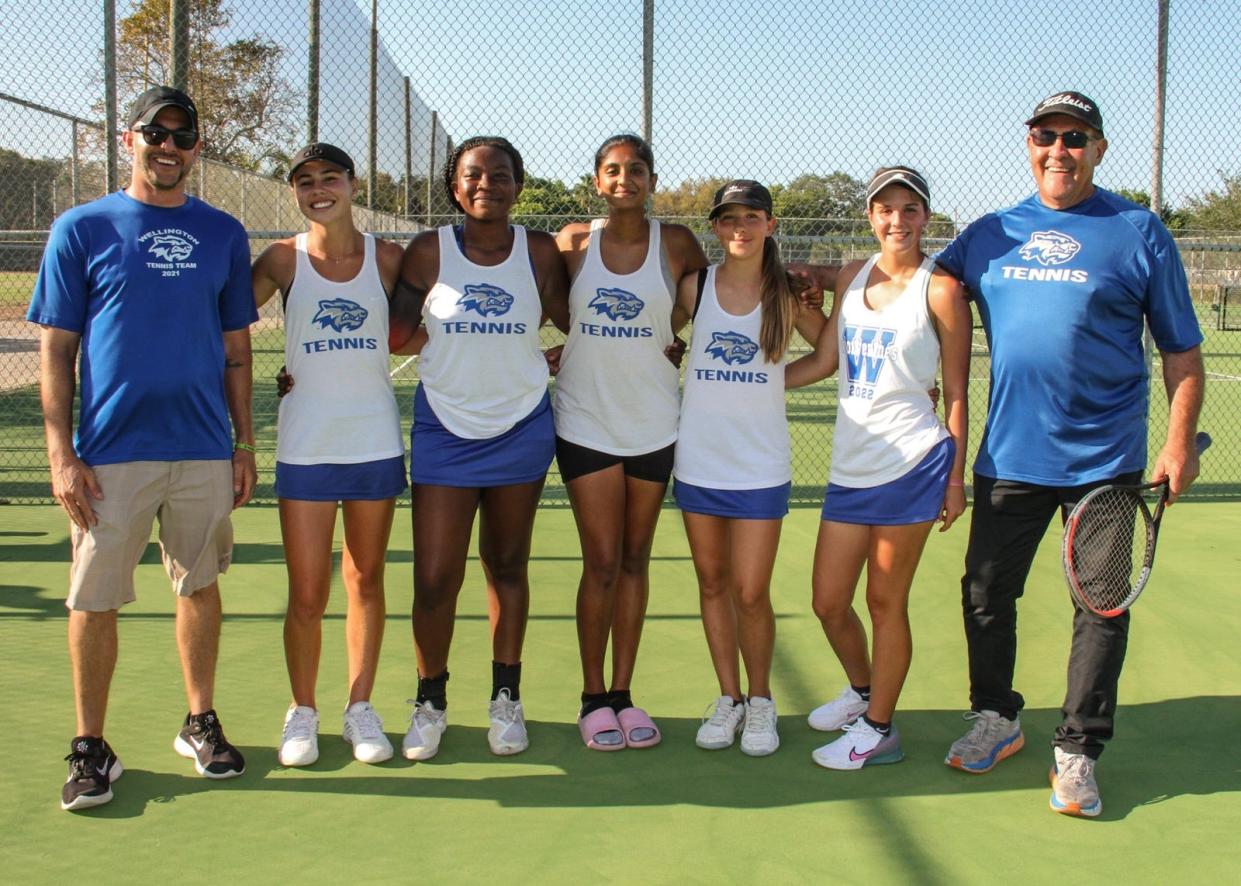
743, 191
898, 175
321, 151
144, 108
1071, 104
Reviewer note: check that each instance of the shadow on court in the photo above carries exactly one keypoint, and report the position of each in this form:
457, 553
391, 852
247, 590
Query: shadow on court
558, 772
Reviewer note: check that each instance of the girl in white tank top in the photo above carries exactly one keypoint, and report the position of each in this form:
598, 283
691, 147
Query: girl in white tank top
482, 300
732, 461
897, 322
616, 419
339, 430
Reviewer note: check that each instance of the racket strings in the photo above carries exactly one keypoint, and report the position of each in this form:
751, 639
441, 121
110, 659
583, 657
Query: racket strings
1111, 539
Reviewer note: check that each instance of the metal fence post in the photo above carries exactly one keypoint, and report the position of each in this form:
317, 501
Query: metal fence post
435, 118
409, 155
312, 74
648, 65
179, 43
372, 155
109, 93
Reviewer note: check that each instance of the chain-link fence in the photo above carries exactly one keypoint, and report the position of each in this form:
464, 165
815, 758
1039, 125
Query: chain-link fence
805, 95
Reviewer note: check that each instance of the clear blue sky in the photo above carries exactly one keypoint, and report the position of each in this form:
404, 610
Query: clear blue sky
766, 90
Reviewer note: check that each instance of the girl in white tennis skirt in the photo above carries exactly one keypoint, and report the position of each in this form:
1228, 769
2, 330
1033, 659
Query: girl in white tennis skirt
732, 472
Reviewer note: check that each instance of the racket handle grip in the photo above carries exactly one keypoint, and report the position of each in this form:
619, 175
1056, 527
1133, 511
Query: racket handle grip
1202, 442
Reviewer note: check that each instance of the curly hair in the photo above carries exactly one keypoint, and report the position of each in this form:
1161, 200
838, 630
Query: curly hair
480, 141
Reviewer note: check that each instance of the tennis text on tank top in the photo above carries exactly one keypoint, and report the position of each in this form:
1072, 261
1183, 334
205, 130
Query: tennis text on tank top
482, 369
342, 409
885, 423
616, 391
733, 433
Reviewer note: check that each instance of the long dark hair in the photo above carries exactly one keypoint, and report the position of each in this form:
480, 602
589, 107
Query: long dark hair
778, 303
480, 141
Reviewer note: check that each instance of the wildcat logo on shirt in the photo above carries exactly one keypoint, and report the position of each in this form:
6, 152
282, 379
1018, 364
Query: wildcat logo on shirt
1048, 248
866, 351
340, 315
732, 348
171, 247
486, 300
615, 304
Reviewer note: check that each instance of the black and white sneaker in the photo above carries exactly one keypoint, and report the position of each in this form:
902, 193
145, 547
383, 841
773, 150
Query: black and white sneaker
92, 769
202, 740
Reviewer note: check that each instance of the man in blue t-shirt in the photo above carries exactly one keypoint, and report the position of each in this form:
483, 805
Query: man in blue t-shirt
152, 288
1064, 282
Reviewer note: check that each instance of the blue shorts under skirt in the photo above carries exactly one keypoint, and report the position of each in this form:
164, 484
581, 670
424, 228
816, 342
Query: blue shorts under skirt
363, 481
522, 454
915, 497
770, 503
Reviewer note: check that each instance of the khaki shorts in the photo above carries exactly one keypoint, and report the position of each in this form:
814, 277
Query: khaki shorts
192, 499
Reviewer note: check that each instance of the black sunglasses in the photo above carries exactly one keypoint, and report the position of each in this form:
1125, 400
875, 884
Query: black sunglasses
1074, 139
156, 135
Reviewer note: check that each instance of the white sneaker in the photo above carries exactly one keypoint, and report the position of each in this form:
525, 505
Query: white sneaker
1074, 790
365, 731
426, 728
861, 745
507, 734
833, 715
720, 725
299, 743
759, 737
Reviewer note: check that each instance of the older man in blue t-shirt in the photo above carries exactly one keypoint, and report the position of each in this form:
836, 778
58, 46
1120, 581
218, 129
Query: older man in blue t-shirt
152, 288
1064, 282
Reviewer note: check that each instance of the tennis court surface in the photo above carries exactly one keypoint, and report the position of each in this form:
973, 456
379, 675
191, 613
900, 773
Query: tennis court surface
1171, 781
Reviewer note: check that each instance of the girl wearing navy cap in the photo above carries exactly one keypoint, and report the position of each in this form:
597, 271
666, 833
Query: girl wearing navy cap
483, 435
616, 405
895, 469
338, 440
733, 470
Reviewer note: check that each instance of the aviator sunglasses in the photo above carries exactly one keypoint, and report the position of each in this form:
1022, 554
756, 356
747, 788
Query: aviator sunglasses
1074, 139
184, 139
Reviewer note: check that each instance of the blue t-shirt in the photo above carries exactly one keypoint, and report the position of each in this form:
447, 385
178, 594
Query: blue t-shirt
1062, 295
151, 290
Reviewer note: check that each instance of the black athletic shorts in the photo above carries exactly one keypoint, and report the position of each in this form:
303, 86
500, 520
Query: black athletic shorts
577, 461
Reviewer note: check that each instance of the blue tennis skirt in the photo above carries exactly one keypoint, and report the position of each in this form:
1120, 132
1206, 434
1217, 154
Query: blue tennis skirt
769, 503
915, 497
363, 481
522, 454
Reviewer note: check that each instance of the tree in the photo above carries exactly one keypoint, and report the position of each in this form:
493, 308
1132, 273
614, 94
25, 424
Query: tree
26, 188
689, 202
246, 109
1174, 219
541, 197
808, 201
1217, 210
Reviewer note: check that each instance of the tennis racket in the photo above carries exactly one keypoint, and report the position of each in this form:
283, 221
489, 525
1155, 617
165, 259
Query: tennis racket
1109, 542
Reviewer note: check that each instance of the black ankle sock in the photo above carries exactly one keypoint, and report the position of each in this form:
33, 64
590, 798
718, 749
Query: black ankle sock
506, 676
434, 690
881, 728
863, 691
620, 699
593, 701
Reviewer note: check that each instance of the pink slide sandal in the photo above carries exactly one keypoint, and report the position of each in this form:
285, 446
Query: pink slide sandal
633, 719
596, 724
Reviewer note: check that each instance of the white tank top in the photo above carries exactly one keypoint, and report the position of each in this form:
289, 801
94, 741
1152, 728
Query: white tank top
616, 391
733, 433
482, 369
885, 423
341, 409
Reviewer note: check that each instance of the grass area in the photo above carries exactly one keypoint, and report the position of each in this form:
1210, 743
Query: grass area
673, 814
16, 288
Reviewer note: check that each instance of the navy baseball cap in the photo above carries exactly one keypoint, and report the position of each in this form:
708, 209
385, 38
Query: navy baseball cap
144, 108
321, 151
1071, 104
743, 191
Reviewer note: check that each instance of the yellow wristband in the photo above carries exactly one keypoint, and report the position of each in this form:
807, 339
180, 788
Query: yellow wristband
246, 446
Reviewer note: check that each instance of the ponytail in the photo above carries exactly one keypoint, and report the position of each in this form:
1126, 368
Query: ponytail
778, 303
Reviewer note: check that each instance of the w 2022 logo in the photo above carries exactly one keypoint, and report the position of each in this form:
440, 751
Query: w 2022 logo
485, 299
866, 350
616, 304
340, 314
732, 347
